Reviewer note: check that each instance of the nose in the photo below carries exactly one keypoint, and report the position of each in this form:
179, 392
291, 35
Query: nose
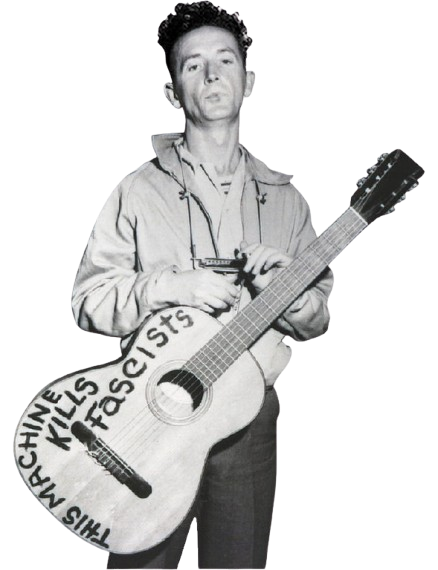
211, 74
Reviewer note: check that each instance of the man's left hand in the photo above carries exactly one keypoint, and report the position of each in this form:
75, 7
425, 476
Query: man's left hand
260, 261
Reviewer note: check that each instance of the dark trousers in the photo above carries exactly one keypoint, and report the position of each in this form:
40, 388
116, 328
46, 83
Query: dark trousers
234, 504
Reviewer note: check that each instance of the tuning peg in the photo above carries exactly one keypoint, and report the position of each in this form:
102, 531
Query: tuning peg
390, 210
361, 182
414, 185
402, 197
372, 169
382, 157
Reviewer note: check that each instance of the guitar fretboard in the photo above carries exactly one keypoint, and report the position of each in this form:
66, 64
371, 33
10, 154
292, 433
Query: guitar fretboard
222, 350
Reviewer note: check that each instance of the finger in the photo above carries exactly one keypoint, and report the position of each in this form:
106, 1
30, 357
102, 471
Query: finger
257, 255
250, 255
225, 285
276, 259
247, 249
216, 302
227, 297
213, 282
217, 287
206, 308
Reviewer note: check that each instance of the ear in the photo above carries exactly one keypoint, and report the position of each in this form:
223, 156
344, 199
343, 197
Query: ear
249, 83
171, 96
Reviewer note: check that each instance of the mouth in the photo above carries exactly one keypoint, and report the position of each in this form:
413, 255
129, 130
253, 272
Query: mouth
214, 97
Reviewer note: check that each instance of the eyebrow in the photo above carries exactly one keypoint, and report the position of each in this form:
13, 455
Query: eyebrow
227, 50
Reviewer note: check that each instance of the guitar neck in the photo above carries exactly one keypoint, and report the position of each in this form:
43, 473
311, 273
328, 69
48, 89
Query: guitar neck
249, 324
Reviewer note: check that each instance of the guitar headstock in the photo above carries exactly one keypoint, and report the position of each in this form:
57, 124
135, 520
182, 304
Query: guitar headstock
386, 184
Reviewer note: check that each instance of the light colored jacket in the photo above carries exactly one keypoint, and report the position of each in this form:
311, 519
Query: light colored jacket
143, 232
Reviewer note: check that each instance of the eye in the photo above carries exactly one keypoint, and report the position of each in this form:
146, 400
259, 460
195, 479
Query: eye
227, 61
193, 66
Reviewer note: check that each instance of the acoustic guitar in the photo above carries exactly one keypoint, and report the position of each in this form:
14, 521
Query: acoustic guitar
116, 452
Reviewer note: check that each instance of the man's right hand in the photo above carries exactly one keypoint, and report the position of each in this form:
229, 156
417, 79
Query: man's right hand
203, 289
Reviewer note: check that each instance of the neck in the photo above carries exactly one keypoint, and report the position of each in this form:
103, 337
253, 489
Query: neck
217, 144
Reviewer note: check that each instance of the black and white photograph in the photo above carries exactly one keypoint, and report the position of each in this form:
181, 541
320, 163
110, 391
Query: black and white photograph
201, 402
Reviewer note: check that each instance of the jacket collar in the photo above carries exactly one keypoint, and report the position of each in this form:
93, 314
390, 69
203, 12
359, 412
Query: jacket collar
165, 147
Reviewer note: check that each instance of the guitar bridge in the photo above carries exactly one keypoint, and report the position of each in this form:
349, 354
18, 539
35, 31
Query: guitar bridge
108, 459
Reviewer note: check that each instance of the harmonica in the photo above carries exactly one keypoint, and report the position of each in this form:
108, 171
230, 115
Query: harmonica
221, 264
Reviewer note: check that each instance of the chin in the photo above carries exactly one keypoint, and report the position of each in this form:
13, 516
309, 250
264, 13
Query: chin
220, 113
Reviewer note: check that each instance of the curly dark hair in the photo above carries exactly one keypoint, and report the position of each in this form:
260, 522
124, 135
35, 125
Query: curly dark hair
188, 17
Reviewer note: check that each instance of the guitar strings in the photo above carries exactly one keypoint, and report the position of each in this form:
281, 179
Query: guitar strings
184, 377
146, 434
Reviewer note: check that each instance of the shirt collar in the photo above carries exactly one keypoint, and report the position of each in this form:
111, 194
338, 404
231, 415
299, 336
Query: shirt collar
166, 149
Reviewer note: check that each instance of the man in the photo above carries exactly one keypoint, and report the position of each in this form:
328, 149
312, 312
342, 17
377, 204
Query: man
205, 196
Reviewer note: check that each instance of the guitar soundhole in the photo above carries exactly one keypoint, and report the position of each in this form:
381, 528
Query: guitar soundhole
176, 395
182, 387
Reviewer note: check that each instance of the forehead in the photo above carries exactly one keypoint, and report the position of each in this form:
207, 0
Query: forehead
203, 41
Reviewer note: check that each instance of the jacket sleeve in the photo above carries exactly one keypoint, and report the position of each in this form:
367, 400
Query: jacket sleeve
110, 296
308, 317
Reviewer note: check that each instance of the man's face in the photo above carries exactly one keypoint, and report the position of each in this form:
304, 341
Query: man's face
209, 77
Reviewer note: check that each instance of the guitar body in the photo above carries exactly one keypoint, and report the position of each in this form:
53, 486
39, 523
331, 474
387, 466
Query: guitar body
116, 452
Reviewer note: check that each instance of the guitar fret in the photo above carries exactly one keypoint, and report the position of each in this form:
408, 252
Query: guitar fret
321, 249
209, 372
194, 365
205, 354
291, 290
309, 267
222, 352
218, 359
273, 300
363, 223
230, 347
261, 299
350, 235
357, 224
271, 307
261, 315
237, 338
236, 323
251, 324
333, 244
231, 339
